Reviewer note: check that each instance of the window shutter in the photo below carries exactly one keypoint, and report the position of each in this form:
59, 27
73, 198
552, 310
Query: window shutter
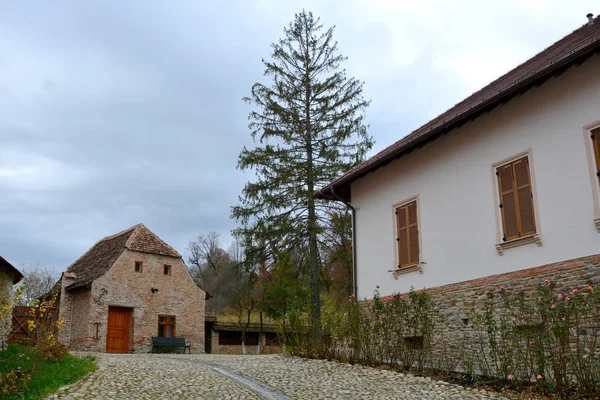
524, 197
518, 216
596, 145
413, 233
402, 236
408, 234
507, 202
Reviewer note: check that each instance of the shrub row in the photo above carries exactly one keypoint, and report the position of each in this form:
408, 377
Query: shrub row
548, 340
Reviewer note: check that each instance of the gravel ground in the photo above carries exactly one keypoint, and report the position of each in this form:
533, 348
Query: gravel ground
206, 376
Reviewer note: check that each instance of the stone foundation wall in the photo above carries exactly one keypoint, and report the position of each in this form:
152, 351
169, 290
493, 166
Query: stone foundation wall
457, 303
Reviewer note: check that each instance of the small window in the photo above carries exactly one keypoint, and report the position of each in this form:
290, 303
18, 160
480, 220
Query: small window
595, 136
167, 269
530, 330
516, 199
139, 266
407, 234
413, 342
166, 326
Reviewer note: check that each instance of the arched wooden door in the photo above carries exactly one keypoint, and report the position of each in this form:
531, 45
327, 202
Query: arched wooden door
117, 336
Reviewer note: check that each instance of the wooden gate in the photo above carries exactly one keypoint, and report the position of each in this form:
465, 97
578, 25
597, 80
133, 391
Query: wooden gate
117, 336
21, 315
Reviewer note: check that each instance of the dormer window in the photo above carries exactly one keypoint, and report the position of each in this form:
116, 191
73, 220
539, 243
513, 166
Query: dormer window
139, 266
167, 269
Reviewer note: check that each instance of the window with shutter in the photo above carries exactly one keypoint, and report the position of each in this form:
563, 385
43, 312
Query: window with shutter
595, 135
407, 234
516, 199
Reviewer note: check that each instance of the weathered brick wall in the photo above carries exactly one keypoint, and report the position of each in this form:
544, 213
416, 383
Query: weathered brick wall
80, 305
65, 311
123, 287
5, 299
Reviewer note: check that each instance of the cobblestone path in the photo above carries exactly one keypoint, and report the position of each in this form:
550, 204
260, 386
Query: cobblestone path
170, 376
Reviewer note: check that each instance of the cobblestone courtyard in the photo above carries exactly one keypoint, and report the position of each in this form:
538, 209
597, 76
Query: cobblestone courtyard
167, 376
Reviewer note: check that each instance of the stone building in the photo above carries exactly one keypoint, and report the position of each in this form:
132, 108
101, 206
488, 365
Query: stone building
501, 189
126, 289
9, 276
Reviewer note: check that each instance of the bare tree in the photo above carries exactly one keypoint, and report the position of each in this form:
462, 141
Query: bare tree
206, 251
36, 282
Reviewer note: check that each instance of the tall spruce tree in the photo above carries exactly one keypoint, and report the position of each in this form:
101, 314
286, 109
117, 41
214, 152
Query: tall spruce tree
308, 126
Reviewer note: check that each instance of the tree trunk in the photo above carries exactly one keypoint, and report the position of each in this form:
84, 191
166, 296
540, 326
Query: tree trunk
260, 332
244, 341
312, 217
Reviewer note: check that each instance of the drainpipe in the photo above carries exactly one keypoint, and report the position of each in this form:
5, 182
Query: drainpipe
354, 261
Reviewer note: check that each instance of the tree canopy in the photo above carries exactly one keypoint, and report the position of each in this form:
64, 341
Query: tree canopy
308, 126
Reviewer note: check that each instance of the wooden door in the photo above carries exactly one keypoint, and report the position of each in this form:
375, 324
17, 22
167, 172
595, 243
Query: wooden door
117, 337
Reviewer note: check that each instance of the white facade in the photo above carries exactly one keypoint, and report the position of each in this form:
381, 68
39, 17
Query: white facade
453, 180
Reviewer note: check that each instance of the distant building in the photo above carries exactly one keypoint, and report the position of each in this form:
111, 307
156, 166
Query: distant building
9, 276
126, 289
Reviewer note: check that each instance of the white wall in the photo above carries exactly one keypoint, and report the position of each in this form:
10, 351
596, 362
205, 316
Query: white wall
452, 177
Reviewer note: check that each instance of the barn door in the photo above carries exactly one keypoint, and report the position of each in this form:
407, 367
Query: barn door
117, 337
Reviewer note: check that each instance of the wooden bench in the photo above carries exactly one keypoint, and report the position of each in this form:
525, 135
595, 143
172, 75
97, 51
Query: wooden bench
171, 342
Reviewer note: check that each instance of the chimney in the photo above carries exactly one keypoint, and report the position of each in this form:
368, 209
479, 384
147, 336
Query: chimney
590, 18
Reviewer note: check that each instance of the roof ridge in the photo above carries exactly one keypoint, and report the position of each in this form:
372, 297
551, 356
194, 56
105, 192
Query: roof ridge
104, 239
529, 60
131, 245
135, 229
116, 235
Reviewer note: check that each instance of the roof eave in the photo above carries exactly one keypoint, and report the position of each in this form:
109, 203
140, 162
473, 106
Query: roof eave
341, 186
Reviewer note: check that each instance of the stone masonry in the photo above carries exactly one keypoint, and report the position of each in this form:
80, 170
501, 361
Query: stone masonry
121, 286
105, 276
458, 302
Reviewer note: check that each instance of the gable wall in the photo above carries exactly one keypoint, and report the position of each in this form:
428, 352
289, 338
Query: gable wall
123, 287
452, 178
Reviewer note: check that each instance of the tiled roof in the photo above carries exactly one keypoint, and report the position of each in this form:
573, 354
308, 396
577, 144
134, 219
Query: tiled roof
11, 271
147, 242
573, 49
97, 260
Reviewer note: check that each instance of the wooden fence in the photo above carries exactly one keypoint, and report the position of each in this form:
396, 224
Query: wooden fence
19, 331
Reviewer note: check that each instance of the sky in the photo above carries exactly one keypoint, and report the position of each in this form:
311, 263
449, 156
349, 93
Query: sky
114, 113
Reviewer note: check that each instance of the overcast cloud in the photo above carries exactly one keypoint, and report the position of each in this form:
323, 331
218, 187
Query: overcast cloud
119, 112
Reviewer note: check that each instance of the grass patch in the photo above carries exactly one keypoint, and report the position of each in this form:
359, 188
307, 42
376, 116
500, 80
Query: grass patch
49, 375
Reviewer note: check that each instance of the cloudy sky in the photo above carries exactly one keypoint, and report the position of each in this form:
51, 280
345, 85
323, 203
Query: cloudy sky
119, 112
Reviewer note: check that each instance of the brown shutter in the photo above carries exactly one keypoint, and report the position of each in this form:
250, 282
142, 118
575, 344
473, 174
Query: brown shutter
596, 144
524, 197
408, 234
518, 216
507, 202
402, 236
413, 233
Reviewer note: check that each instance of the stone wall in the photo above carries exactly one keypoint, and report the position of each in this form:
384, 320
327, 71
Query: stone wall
86, 313
5, 299
80, 329
457, 303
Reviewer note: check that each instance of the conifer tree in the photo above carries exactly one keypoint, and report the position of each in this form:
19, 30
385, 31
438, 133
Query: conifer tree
308, 127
